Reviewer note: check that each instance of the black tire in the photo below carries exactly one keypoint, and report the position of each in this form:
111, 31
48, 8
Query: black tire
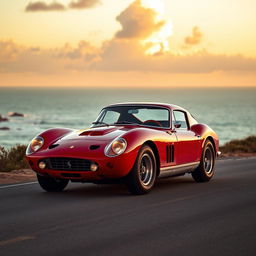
142, 177
205, 171
50, 184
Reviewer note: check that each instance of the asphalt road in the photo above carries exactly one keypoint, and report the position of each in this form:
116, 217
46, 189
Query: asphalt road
179, 217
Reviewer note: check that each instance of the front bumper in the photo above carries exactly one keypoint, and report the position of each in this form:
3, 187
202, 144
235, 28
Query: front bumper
108, 167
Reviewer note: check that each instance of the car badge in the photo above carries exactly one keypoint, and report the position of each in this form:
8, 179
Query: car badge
69, 164
71, 146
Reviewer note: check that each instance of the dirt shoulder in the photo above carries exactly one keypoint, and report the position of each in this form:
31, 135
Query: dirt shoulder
236, 155
17, 176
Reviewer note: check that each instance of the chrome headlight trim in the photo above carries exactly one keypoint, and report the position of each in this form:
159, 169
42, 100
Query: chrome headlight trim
35, 145
110, 151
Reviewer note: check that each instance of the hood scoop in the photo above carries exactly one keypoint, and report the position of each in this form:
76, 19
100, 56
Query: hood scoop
97, 132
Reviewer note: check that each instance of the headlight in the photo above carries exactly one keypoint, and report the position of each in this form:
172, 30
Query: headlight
116, 147
35, 145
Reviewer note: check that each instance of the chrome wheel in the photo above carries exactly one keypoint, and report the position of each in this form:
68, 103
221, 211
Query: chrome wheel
142, 177
205, 171
146, 170
208, 160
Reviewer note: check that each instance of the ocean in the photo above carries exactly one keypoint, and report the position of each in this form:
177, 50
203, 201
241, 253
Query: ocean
231, 112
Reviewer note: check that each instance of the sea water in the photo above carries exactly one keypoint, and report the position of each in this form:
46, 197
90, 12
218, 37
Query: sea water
231, 112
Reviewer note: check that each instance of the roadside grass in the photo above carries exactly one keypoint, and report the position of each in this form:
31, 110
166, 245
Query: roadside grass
247, 145
13, 158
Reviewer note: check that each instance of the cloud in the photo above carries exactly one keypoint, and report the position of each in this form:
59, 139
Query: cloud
125, 52
195, 38
138, 21
128, 55
116, 55
56, 6
83, 51
83, 4
16, 58
42, 6
9, 51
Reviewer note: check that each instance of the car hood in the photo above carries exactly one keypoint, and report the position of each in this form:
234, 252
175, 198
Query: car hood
83, 142
99, 134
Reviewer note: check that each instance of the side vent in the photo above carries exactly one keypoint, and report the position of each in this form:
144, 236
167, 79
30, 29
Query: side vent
53, 146
93, 147
170, 153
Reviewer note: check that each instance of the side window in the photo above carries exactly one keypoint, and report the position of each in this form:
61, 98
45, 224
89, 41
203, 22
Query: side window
180, 118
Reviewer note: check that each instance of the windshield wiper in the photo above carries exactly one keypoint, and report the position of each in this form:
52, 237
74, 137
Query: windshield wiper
101, 123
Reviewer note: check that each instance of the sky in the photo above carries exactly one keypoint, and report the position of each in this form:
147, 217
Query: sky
128, 43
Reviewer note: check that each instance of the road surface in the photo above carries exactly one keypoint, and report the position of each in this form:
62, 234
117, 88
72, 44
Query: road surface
179, 217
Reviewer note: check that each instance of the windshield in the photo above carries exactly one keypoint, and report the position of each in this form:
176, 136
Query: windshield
139, 115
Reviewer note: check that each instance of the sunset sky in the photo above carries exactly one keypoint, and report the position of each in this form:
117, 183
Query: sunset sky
151, 43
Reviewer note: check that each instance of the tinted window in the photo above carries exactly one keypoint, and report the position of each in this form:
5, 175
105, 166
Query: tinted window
180, 118
142, 115
152, 114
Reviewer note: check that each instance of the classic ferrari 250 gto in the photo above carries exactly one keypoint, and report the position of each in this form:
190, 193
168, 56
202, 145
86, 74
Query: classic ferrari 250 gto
134, 143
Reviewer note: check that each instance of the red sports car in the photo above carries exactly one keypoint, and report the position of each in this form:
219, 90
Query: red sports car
135, 143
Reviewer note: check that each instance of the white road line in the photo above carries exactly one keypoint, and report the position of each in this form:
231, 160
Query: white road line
17, 185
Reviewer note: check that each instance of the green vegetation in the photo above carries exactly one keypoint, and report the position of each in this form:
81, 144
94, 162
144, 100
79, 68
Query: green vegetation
13, 158
247, 145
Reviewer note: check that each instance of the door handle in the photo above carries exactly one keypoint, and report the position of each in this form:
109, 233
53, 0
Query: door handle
170, 132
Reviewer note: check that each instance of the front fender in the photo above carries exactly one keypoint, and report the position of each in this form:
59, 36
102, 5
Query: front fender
51, 135
137, 137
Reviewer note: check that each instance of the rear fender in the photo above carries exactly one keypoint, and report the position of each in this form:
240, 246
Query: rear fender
205, 132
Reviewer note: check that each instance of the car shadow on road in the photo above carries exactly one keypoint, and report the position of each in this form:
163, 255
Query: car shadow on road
88, 190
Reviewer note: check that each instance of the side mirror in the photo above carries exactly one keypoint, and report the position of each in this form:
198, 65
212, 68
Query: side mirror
177, 124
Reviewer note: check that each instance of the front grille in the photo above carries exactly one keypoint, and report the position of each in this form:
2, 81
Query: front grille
68, 164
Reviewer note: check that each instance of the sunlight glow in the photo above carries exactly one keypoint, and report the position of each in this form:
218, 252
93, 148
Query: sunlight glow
158, 42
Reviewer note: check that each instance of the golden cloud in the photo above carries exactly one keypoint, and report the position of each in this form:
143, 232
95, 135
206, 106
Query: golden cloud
42, 6
195, 37
83, 4
138, 22
9, 51
114, 56
56, 6
126, 51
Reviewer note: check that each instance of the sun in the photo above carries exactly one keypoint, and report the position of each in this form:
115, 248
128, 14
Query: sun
158, 42
156, 5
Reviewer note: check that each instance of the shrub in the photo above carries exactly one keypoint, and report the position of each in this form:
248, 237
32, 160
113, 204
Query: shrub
13, 158
247, 145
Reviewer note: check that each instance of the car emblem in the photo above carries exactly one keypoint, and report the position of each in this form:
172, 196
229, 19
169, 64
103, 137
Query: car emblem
69, 164
71, 146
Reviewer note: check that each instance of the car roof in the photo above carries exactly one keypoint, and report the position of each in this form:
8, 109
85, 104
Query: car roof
156, 104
